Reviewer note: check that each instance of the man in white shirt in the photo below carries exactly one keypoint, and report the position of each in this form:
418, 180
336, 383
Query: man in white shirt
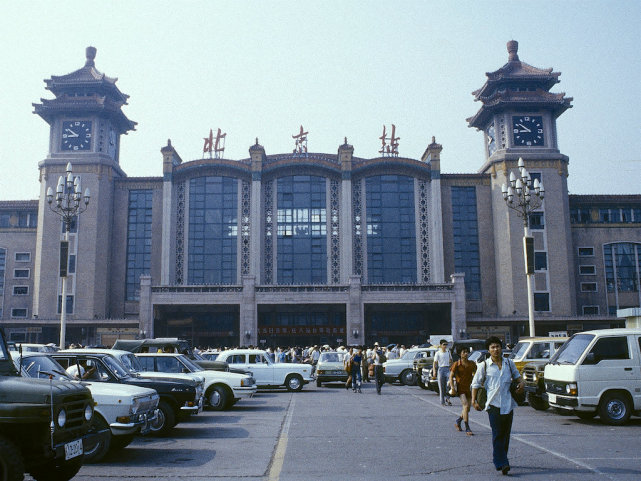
441, 370
496, 374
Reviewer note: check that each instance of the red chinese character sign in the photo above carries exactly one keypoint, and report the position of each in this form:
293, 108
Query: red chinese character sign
214, 146
300, 146
389, 145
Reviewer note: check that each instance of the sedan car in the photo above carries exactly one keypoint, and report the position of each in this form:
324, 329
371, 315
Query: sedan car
403, 369
120, 411
330, 368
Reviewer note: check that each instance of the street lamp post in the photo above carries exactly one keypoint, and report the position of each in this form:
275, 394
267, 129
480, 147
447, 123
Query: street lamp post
525, 196
67, 205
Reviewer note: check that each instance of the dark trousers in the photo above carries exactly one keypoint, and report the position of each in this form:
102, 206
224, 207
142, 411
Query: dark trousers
501, 429
378, 375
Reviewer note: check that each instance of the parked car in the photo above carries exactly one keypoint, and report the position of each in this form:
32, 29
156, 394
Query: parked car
534, 381
121, 411
330, 368
222, 389
210, 355
422, 367
44, 424
31, 347
402, 369
530, 349
471, 344
266, 373
175, 345
130, 363
175, 396
597, 372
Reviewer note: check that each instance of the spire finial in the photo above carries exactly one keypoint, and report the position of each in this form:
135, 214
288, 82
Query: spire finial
512, 50
91, 55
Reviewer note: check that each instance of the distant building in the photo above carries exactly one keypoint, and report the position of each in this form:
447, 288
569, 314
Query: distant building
314, 248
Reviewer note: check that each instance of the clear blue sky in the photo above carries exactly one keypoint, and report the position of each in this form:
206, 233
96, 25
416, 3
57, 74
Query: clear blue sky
339, 68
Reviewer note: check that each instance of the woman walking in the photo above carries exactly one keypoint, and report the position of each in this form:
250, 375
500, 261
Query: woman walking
347, 363
461, 374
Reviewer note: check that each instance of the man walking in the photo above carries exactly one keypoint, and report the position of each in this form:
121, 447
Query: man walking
441, 370
496, 374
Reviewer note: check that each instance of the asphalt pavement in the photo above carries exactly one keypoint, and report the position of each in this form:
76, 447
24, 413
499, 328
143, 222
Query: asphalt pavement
330, 433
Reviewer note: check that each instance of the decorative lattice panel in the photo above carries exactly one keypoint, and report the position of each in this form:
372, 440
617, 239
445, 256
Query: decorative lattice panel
357, 222
245, 230
180, 233
268, 253
424, 240
335, 232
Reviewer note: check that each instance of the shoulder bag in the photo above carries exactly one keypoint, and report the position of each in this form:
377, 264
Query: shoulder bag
481, 393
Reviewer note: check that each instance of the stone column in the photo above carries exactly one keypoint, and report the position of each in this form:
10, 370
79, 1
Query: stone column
248, 313
257, 155
355, 322
345, 154
437, 268
170, 159
146, 316
459, 320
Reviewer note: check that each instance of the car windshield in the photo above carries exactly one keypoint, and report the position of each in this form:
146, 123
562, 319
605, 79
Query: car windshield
131, 363
475, 356
408, 355
43, 366
519, 350
116, 367
191, 365
331, 357
571, 351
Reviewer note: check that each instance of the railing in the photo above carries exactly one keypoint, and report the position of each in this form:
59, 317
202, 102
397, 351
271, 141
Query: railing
196, 289
307, 288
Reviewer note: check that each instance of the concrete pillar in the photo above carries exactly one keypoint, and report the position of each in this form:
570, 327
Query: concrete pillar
355, 321
170, 159
248, 324
459, 320
257, 155
432, 156
345, 155
146, 316
632, 317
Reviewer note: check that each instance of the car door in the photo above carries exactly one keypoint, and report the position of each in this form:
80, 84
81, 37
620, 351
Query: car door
262, 369
608, 365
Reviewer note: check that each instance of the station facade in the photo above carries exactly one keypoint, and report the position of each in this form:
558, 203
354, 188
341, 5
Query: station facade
314, 248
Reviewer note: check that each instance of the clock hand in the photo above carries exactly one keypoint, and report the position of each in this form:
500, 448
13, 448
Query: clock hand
524, 127
71, 133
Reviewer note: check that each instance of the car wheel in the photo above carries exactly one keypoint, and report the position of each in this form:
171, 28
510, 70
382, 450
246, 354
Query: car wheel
537, 402
614, 409
165, 419
294, 382
57, 472
218, 398
121, 442
318, 383
94, 453
11, 463
408, 377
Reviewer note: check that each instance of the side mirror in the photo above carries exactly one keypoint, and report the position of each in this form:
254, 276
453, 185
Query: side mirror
590, 359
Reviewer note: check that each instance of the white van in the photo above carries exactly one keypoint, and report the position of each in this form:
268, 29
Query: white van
597, 372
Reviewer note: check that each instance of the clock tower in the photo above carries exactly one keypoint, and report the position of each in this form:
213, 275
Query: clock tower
518, 116
86, 122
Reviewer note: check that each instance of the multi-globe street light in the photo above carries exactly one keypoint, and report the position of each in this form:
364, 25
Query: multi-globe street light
67, 205
524, 196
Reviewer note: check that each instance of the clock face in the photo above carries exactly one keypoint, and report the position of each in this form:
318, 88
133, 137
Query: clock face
491, 139
528, 130
76, 135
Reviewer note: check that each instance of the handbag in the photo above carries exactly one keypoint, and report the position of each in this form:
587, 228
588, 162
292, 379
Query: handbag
519, 397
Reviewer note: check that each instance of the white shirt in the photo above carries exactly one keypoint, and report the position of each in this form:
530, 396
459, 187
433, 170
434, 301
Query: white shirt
73, 371
442, 359
497, 383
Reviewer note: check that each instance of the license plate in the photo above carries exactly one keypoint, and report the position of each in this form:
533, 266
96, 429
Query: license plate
552, 398
337, 372
73, 449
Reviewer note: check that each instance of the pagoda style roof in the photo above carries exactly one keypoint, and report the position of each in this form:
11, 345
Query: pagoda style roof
85, 90
518, 84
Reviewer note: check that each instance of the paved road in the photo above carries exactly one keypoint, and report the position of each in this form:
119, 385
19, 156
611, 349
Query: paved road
404, 434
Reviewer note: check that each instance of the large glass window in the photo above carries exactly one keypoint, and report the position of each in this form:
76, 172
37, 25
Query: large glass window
138, 241
622, 266
391, 230
302, 230
466, 239
213, 230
